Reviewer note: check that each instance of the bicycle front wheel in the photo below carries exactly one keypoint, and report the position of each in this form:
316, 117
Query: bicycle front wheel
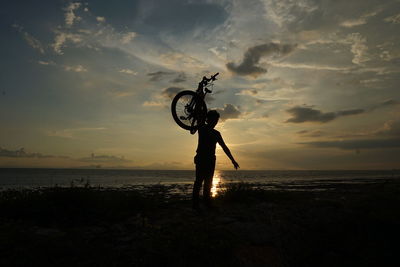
188, 110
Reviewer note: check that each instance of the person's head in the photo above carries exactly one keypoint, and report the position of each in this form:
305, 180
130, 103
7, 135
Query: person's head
212, 118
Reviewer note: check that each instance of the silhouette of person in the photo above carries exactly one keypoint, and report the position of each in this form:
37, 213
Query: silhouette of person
205, 158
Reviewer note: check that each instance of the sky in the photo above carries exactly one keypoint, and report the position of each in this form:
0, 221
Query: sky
306, 84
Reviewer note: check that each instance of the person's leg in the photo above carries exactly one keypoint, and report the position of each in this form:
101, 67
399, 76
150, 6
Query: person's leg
197, 186
208, 179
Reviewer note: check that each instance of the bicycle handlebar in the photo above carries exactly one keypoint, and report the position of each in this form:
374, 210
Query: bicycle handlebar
212, 78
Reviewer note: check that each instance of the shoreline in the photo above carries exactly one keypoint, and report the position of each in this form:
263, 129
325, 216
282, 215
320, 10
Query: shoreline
185, 187
350, 225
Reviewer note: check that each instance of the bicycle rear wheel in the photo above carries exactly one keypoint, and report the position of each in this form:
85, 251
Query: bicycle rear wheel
189, 110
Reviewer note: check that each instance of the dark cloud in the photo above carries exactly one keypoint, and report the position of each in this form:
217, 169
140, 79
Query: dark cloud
357, 143
229, 112
387, 103
104, 159
349, 112
302, 132
171, 92
180, 78
304, 114
249, 64
157, 76
21, 153
209, 98
315, 133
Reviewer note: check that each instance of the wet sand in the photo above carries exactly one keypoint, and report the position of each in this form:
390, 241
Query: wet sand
349, 224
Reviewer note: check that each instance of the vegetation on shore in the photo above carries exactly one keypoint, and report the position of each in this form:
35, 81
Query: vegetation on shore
351, 225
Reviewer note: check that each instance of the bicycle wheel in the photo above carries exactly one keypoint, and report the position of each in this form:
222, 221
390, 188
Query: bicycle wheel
188, 110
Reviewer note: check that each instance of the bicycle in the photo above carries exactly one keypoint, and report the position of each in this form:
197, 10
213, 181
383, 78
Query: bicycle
189, 109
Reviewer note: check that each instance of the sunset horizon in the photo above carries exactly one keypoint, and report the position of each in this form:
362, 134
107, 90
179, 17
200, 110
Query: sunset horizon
302, 85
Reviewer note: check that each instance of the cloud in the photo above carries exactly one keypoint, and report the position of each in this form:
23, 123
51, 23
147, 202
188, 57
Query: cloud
389, 55
180, 78
283, 12
357, 143
386, 103
309, 66
220, 52
309, 114
127, 37
101, 19
229, 111
159, 75
304, 114
117, 93
395, 19
180, 61
171, 92
353, 22
71, 133
62, 37
209, 98
249, 65
128, 71
370, 81
314, 133
32, 41
359, 21
153, 104
349, 112
70, 16
358, 48
90, 35
390, 128
21, 153
104, 159
77, 68
250, 92
41, 62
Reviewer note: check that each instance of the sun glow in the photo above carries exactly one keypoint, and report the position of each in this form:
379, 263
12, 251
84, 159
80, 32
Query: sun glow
215, 184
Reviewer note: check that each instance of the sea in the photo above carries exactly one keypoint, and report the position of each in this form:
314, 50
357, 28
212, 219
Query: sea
23, 178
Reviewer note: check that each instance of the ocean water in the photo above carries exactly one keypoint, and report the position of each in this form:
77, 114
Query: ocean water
116, 178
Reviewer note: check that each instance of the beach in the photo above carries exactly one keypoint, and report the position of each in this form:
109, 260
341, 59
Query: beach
352, 224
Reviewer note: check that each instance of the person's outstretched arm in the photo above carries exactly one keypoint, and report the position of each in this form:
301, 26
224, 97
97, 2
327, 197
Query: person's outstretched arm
227, 151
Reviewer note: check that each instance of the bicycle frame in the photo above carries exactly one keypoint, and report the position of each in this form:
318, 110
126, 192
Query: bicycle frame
195, 108
202, 90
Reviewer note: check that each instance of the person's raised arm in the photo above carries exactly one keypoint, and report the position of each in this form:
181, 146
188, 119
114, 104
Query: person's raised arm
227, 151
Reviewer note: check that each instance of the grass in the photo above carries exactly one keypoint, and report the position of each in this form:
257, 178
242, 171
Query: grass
352, 225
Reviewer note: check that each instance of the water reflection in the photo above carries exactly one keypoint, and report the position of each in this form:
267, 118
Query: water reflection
215, 185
